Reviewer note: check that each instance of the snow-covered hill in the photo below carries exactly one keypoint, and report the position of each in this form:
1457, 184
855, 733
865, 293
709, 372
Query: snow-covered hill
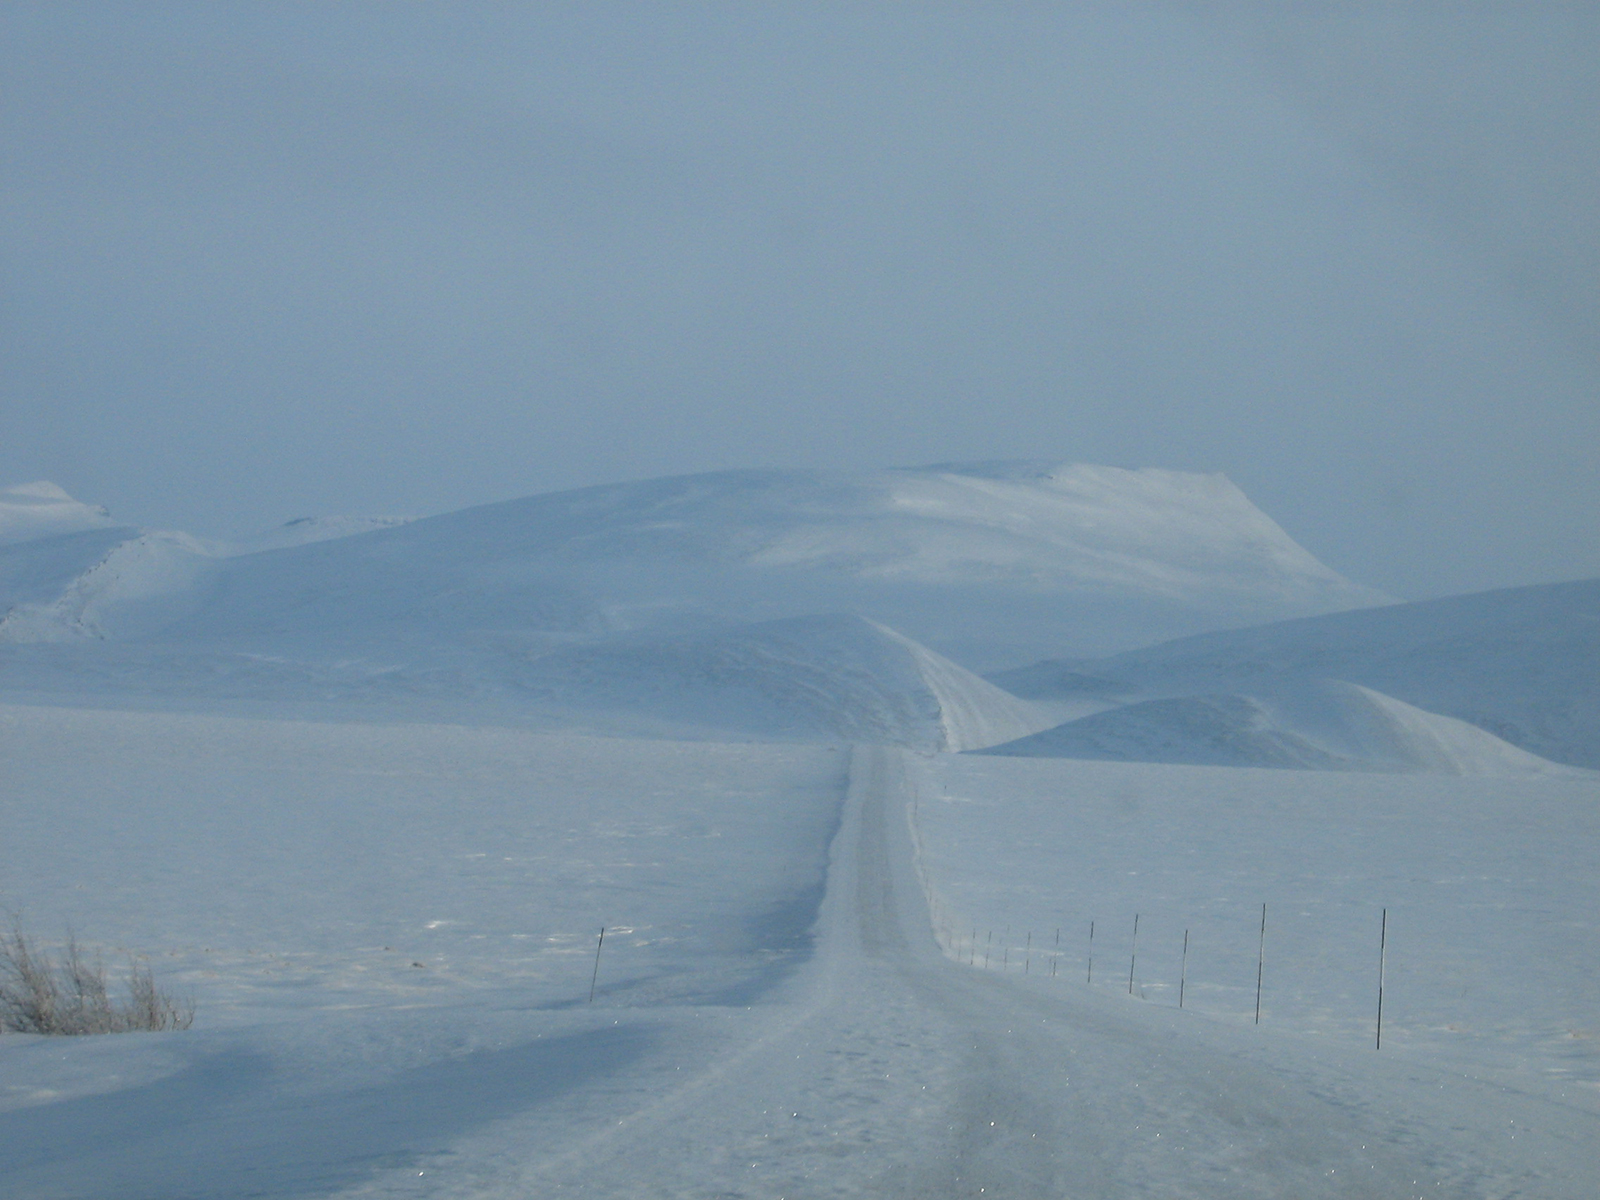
989, 564
685, 604
1521, 663
1322, 725
105, 584
69, 572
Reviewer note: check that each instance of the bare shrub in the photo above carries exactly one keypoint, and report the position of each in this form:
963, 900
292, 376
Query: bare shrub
41, 994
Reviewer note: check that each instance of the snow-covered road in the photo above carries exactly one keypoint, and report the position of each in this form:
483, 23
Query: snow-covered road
885, 1069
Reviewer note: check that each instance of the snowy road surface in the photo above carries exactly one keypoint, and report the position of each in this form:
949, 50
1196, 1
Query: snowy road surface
888, 1070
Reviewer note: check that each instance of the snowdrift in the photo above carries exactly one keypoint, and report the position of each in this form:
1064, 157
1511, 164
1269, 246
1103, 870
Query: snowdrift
1321, 725
834, 676
1521, 663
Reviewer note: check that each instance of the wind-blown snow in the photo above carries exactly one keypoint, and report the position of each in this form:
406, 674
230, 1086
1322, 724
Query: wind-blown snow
1316, 725
390, 932
389, 920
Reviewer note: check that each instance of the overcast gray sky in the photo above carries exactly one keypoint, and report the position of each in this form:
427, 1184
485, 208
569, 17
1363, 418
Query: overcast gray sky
270, 260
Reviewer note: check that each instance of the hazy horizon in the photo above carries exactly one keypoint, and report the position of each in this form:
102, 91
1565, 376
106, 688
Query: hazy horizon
268, 263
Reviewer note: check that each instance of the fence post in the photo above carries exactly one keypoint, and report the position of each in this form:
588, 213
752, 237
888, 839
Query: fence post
1383, 945
1134, 954
595, 977
1183, 969
1261, 957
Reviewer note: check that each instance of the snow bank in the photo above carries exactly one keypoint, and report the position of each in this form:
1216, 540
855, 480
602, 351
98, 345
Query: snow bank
68, 572
1315, 725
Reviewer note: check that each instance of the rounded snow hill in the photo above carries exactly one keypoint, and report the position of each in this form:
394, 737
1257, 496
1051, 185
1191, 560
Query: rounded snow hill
1018, 524
1320, 725
1522, 663
831, 676
991, 564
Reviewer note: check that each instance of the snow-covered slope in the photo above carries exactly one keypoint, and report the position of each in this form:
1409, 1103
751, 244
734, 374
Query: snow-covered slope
1317, 724
107, 583
69, 572
835, 676
41, 509
1522, 663
989, 564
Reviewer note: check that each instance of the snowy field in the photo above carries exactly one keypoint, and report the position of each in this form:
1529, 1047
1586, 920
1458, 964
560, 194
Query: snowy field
1493, 939
388, 933
383, 923
1492, 967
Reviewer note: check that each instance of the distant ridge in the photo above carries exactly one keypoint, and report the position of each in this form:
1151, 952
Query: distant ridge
1319, 725
1520, 663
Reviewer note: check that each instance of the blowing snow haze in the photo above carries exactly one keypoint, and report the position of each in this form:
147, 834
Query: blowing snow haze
265, 261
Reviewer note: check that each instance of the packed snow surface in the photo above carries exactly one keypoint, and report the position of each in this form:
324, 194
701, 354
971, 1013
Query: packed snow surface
1316, 724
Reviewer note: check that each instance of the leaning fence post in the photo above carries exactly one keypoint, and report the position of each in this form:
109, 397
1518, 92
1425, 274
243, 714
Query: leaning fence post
1383, 945
594, 978
1261, 956
1134, 954
1183, 969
